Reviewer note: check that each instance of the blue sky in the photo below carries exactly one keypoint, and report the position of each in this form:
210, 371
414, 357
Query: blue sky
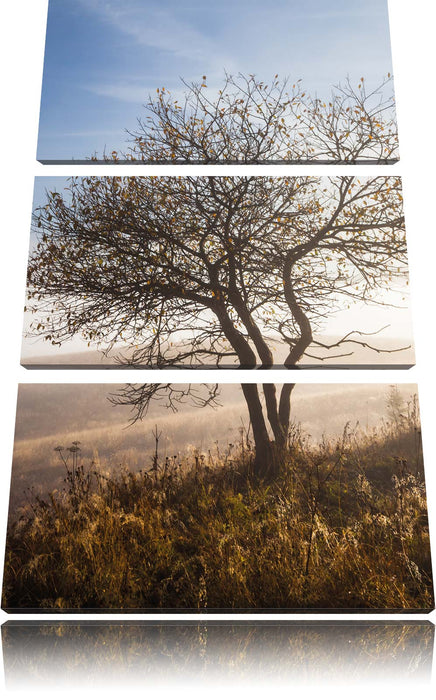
105, 57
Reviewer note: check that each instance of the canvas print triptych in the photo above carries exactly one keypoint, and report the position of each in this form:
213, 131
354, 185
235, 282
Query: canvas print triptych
255, 495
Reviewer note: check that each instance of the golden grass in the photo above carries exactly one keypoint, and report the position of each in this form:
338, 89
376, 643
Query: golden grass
344, 526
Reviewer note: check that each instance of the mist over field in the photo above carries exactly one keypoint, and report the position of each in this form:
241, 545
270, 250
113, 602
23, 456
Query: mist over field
395, 351
51, 415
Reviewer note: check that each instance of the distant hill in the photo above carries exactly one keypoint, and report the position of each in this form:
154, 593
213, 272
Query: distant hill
359, 357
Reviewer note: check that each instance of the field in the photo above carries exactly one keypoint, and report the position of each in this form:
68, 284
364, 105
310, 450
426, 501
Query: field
38, 354
52, 415
343, 526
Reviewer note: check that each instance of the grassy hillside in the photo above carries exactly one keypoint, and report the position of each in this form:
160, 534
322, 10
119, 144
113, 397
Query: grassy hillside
49, 415
344, 526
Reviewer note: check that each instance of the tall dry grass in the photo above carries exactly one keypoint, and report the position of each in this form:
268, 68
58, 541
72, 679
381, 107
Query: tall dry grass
344, 526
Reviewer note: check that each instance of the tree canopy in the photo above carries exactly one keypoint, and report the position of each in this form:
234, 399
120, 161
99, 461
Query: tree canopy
254, 121
148, 261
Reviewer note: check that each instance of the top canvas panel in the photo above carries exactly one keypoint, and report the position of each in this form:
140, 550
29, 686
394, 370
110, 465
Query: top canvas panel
163, 81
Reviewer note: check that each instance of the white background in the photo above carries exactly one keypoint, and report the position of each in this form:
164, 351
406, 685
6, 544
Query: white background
22, 45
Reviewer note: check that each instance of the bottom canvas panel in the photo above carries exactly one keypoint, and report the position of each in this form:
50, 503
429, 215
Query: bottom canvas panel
217, 498
65, 653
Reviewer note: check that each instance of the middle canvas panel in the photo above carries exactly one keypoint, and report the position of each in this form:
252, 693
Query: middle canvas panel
218, 272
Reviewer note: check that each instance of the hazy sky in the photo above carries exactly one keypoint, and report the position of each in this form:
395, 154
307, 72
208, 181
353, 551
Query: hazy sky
105, 57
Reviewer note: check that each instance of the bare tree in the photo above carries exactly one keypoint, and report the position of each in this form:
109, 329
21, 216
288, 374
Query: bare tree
252, 121
197, 270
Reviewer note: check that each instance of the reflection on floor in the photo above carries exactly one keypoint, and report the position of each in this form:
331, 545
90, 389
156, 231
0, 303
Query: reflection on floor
176, 652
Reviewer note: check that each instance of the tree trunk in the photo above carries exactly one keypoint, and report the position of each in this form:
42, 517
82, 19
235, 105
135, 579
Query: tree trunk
262, 443
269, 454
285, 408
